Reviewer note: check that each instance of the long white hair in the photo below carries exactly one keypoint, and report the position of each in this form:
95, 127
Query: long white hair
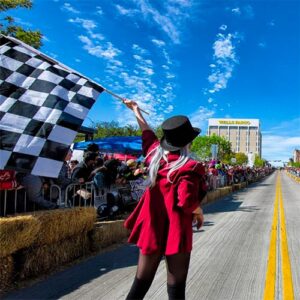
159, 153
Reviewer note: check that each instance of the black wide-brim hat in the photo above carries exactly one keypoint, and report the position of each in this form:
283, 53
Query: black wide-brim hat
178, 132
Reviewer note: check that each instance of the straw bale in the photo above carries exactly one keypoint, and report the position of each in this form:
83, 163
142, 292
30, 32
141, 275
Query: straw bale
63, 223
243, 185
226, 190
17, 233
108, 233
237, 186
6, 272
204, 201
229, 189
213, 196
222, 191
42, 259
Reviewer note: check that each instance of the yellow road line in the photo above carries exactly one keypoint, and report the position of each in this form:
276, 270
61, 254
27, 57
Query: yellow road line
288, 290
287, 280
270, 284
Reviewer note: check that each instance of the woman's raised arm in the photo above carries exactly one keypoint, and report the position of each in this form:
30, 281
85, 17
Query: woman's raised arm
138, 114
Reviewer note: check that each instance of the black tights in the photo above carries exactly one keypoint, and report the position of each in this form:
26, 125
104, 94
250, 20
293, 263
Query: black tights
177, 270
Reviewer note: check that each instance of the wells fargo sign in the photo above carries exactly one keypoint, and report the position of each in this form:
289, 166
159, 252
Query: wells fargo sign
235, 122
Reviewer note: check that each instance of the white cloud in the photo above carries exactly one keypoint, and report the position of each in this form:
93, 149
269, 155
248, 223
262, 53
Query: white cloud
106, 51
135, 77
169, 109
236, 11
223, 27
277, 147
139, 49
246, 11
225, 60
137, 57
288, 128
201, 116
279, 142
170, 75
77, 60
147, 71
262, 45
158, 43
170, 17
139, 84
124, 11
96, 36
45, 39
85, 23
99, 11
70, 8
210, 100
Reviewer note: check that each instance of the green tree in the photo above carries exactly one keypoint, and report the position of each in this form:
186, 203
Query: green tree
241, 158
295, 164
8, 26
201, 146
259, 162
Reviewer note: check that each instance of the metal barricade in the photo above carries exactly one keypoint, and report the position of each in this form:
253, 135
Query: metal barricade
81, 193
12, 195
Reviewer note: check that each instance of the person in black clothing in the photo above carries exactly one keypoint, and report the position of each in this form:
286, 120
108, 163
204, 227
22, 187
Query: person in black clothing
81, 173
92, 148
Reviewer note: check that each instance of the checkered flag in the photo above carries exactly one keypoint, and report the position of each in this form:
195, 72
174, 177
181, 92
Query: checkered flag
42, 106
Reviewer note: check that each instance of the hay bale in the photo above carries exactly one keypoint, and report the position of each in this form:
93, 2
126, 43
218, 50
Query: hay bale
243, 185
223, 191
212, 196
204, 201
60, 224
228, 189
42, 259
237, 186
108, 233
17, 233
6, 272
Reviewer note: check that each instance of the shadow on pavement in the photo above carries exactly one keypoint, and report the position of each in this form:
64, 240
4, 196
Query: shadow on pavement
206, 223
63, 283
229, 203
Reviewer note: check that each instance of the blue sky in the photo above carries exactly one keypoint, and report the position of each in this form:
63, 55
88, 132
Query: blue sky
237, 59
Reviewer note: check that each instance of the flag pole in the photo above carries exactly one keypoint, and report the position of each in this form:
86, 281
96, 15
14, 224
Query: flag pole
120, 98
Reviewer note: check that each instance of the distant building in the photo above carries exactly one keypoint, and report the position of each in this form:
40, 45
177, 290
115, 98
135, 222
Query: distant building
296, 155
244, 134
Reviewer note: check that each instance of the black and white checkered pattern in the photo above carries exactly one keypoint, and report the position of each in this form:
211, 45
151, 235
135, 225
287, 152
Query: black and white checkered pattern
42, 106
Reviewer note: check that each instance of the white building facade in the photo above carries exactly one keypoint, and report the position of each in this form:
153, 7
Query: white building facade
244, 134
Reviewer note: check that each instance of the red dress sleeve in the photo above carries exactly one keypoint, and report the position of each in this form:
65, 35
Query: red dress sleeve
188, 193
149, 141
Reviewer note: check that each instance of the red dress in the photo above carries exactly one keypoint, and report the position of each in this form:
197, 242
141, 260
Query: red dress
162, 220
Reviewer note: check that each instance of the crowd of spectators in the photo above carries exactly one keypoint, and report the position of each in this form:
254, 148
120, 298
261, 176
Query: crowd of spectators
294, 171
102, 173
95, 170
220, 174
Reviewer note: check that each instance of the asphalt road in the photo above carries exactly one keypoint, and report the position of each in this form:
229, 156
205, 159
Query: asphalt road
231, 254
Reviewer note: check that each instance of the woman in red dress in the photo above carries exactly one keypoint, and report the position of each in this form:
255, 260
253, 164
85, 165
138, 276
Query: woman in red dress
161, 224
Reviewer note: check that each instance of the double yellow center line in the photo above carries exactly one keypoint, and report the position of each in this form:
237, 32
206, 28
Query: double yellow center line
287, 280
